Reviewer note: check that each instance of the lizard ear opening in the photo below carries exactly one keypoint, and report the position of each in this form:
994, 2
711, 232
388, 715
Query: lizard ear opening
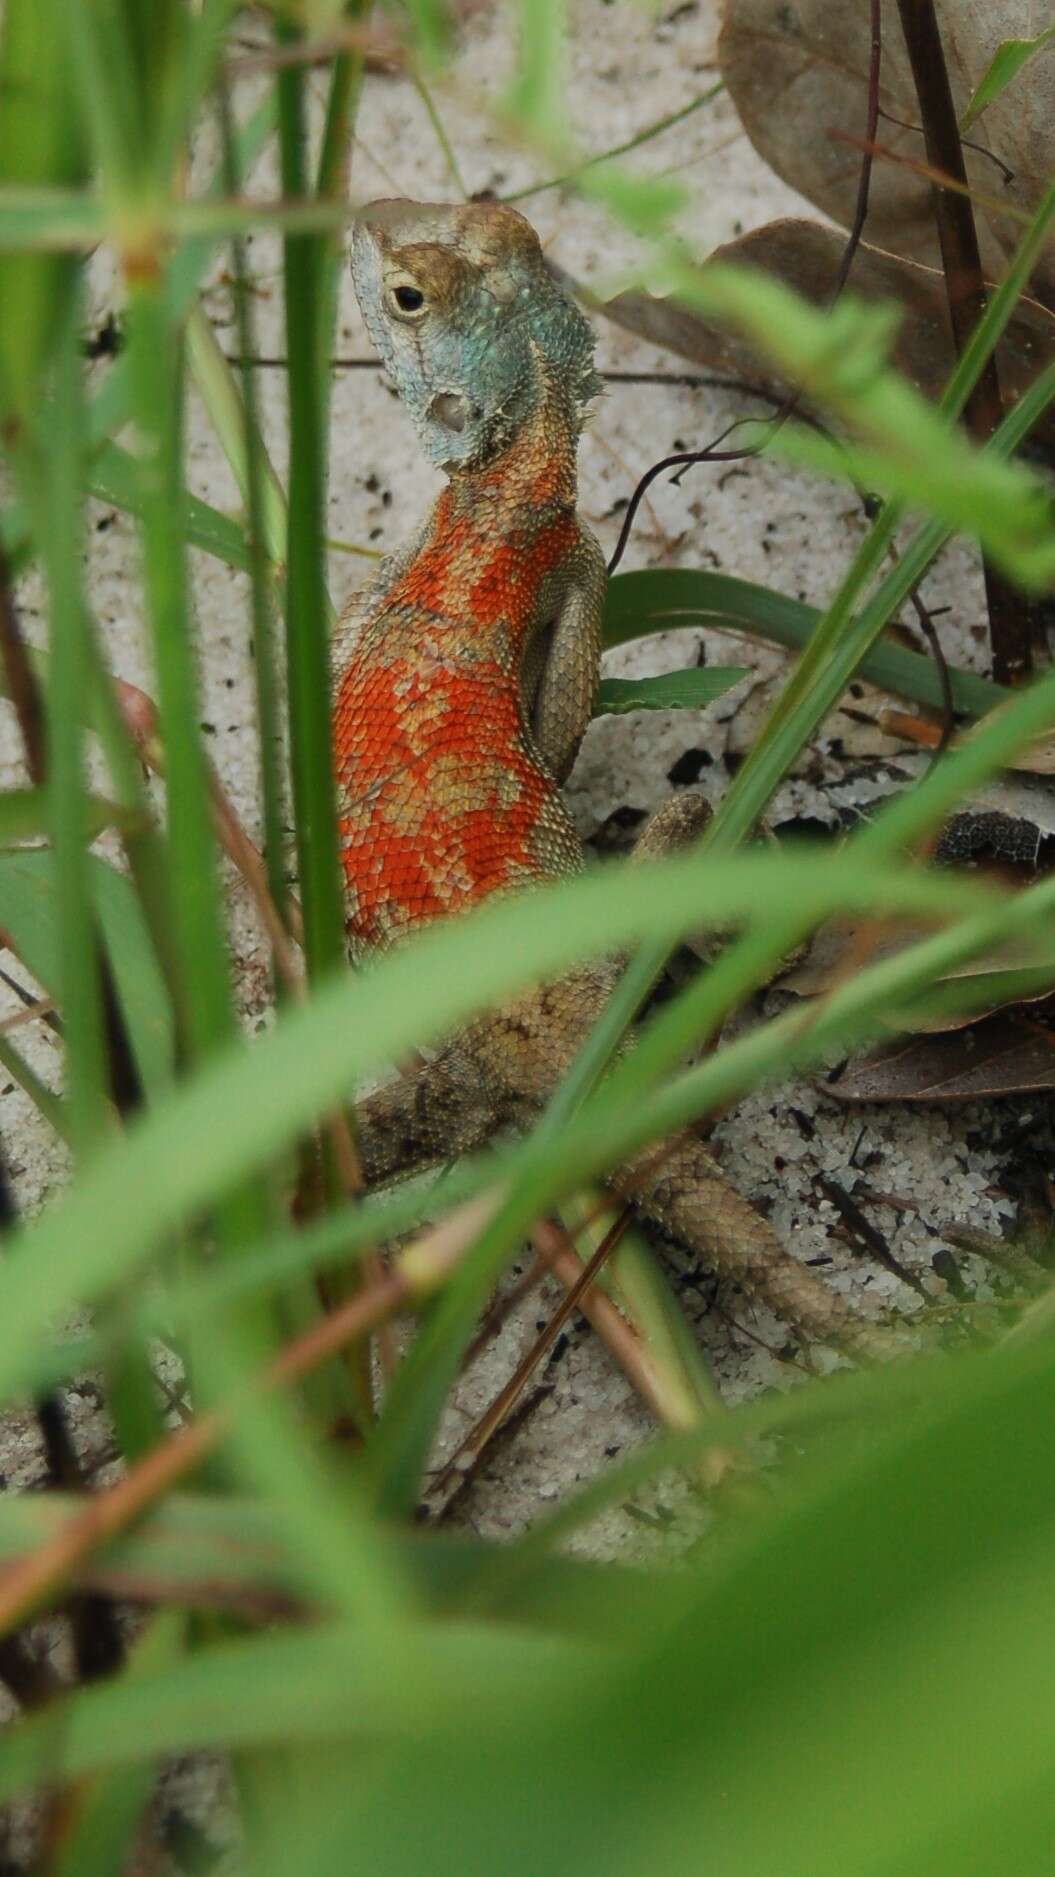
451, 410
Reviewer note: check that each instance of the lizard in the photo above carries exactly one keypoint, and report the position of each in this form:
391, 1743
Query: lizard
464, 676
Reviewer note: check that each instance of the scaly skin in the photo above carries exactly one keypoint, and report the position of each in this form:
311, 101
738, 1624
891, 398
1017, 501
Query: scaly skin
464, 680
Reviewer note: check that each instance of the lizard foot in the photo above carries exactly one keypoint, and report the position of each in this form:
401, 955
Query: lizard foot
680, 1187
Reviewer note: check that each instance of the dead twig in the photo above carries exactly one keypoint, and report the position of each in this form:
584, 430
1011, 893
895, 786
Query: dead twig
468, 1452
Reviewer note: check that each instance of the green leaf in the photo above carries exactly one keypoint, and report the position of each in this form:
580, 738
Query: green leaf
40, 156
115, 476
49, 220
24, 815
432, 29
658, 598
906, 448
691, 689
29, 912
1006, 63
535, 97
333, 1681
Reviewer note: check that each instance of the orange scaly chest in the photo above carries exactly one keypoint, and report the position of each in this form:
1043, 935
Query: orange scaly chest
441, 796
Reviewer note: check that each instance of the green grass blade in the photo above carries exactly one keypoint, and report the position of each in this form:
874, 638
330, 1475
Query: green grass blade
106, 1815
330, 1681
691, 689
331, 183
31, 911
1006, 63
79, 985
661, 598
621, 149
41, 148
244, 448
113, 476
154, 351
307, 649
841, 641
110, 404
178, 1160
262, 624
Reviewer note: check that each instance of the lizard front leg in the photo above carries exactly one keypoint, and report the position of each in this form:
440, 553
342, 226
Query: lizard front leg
559, 681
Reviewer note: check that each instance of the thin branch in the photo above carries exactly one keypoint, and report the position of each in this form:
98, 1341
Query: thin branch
978, 148
619, 149
468, 1452
1009, 616
932, 173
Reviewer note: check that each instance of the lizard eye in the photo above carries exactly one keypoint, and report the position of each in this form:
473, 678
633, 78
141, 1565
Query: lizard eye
406, 300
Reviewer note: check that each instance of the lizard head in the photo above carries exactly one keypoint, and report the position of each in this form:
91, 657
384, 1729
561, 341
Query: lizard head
470, 324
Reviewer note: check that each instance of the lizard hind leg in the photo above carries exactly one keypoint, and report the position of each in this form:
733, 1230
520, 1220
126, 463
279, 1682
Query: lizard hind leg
675, 825
439, 1111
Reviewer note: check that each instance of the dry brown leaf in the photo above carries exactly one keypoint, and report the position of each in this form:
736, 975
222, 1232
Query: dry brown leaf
806, 256
1015, 973
1000, 1057
798, 72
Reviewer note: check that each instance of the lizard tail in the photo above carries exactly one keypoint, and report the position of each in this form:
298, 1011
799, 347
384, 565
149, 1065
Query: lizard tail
680, 1188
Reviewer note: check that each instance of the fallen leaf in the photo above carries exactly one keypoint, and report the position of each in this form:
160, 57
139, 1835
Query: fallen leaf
1003, 1056
1014, 973
798, 73
806, 256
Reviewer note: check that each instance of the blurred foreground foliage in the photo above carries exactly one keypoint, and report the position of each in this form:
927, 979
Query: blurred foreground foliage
852, 1669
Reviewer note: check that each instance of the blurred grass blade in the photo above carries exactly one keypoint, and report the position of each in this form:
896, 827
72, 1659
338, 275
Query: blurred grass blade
105, 1815
840, 357
48, 222
837, 647
536, 95
40, 150
432, 28
113, 476
51, 1106
330, 1681
79, 986
262, 622
219, 392
331, 183
31, 912
110, 404
24, 814
179, 1160
154, 350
